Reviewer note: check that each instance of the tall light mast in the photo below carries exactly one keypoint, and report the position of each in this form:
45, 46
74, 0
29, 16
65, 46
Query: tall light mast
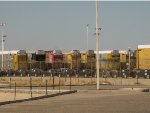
97, 46
2, 35
87, 37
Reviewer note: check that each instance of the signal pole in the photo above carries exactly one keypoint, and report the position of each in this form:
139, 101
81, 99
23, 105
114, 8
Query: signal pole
97, 46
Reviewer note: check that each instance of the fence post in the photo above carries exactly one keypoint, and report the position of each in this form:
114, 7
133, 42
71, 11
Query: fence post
53, 83
50, 76
91, 80
59, 82
70, 82
46, 87
65, 77
31, 86
15, 92
10, 82
137, 82
78, 80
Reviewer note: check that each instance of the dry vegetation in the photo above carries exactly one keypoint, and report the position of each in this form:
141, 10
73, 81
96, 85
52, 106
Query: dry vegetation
41, 81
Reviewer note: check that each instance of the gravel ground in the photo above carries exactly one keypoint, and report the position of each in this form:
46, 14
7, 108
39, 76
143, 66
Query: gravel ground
10, 95
19, 96
86, 101
41, 81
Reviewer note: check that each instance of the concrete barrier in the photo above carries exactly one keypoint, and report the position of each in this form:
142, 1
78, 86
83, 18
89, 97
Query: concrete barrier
37, 98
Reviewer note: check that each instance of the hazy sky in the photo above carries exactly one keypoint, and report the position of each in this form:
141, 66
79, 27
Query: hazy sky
62, 25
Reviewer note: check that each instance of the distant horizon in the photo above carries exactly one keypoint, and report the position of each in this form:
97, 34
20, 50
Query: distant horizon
16, 50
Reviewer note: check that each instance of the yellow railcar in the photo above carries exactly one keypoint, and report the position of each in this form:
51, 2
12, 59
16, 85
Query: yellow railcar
143, 57
105, 60
108, 56
123, 57
20, 61
115, 60
123, 60
109, 61
74, 59
88, 59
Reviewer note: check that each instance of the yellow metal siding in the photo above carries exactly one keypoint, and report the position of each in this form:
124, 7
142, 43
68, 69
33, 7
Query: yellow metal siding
143, 58
88, 61
83, 58
74, 61
109, 56
123, 57
15, 62
20, 62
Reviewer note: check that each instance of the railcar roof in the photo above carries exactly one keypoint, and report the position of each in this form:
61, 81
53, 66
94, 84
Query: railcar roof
9, 52
143, 46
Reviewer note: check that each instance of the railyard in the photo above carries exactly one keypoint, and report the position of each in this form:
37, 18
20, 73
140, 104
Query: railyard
30, 76
112, 63
52, 72
75, 63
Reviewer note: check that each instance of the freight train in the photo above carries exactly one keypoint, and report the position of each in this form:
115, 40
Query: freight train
110, 61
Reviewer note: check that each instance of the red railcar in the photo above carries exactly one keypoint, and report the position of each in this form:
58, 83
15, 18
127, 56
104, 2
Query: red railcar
55, 58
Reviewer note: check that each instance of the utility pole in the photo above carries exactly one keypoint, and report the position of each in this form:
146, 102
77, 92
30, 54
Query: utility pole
97, 46
2, 35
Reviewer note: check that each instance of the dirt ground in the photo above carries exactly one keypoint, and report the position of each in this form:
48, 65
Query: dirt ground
86, 101
22, 93
11, 96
